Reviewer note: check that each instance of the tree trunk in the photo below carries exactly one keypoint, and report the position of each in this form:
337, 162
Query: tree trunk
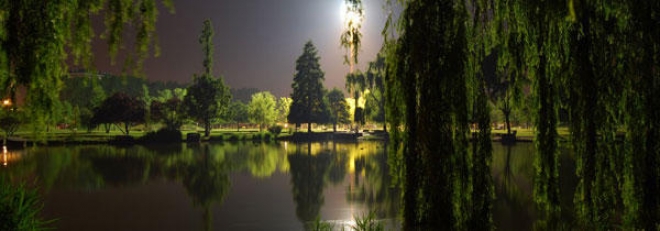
334, 127
507, 114
207, 128
126, 125
357, 123
309, 127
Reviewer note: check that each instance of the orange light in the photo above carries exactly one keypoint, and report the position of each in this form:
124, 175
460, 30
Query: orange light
6, 102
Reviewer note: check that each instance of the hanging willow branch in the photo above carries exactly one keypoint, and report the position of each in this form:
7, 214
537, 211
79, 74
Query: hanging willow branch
37, 37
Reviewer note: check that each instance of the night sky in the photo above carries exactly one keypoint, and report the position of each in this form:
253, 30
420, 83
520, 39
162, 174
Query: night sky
256, 41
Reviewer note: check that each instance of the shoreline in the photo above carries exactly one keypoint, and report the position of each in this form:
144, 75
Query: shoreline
17, 142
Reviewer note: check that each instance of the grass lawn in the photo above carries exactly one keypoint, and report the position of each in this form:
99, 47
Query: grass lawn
531, 133
99, 135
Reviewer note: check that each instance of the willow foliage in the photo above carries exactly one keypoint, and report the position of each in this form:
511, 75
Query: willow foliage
38, 37
642, 119
596, 59
594, 86
429, 77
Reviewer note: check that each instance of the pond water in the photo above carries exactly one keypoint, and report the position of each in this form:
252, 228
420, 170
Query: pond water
244, 186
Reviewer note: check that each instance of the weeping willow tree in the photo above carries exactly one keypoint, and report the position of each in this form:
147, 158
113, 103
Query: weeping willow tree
351, 40
642, 177
38, 37
532, 34
511, 53
481, 40
613, 84
597, 59
602, 54
594, 88
428, 74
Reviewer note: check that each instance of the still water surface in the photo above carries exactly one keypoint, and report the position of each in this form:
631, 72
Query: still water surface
244, 186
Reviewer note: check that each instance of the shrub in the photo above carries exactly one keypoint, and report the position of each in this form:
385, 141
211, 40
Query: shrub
193, 137
233, 138
257, 137
163, 136
123, 140
275, 130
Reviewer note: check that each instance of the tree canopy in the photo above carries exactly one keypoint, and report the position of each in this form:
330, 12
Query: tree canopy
168, 112
261, 109
283, 106
120, 108
338, 108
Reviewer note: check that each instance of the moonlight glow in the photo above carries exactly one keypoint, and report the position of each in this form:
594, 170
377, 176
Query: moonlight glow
346, 15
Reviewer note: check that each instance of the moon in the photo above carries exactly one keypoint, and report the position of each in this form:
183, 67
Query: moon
346, 15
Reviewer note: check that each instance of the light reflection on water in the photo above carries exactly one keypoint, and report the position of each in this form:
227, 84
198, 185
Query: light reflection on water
9, 157
243, 186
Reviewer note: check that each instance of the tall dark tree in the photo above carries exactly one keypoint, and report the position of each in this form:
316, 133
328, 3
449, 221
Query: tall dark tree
207, 97
308, 91
338, 108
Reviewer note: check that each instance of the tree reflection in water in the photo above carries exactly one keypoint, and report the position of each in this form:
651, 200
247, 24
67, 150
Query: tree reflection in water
308, 175
206, 179
512, 173
362, 168
372, 184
